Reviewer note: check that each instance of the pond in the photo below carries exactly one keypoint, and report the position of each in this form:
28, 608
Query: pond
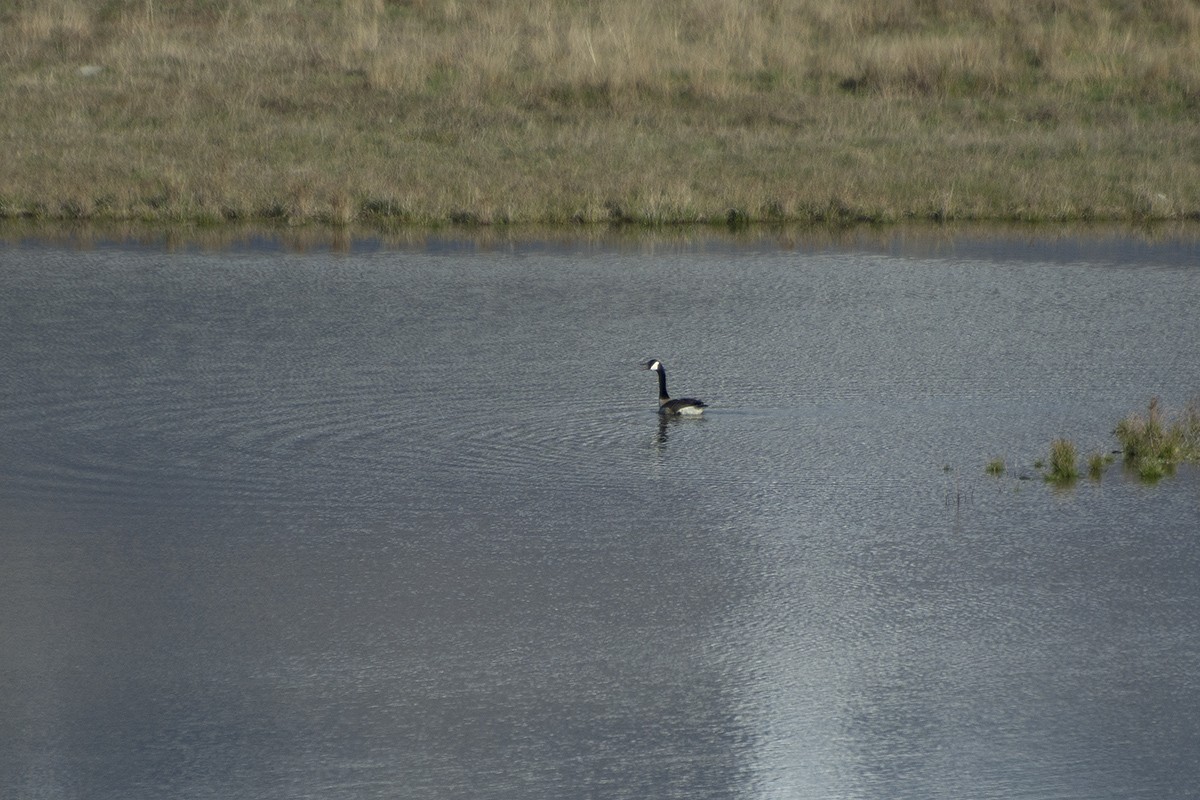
402, 521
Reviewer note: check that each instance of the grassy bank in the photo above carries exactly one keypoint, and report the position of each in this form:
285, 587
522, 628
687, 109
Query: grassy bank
556, 112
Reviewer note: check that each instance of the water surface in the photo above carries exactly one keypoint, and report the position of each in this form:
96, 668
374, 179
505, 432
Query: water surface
403, 522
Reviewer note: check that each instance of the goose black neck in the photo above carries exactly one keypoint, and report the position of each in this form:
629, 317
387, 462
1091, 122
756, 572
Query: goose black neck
662, 384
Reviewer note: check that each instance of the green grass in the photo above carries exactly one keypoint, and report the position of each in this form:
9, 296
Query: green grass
995, 467
435, 112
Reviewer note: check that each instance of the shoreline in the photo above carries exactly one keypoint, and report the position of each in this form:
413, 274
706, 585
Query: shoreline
921, 235
831, 215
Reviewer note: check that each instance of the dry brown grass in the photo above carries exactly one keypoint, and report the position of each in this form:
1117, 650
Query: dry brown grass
428, 111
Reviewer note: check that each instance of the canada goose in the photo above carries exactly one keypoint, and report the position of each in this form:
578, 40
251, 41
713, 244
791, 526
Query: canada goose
682, 405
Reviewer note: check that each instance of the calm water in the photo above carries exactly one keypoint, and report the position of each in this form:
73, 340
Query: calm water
405, 524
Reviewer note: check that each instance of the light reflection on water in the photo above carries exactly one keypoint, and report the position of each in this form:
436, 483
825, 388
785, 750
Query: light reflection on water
406, 523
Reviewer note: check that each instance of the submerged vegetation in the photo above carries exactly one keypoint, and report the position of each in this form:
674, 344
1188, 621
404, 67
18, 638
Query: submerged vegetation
420, 112
1097, 462
1152, 446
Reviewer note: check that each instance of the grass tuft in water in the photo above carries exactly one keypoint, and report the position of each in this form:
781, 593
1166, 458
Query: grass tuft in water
1150, 468
1064, 461
1153, 444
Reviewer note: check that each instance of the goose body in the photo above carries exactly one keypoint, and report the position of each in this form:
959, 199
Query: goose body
681, 406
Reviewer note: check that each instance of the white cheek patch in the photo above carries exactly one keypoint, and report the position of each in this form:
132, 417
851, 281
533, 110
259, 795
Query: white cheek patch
654, 365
